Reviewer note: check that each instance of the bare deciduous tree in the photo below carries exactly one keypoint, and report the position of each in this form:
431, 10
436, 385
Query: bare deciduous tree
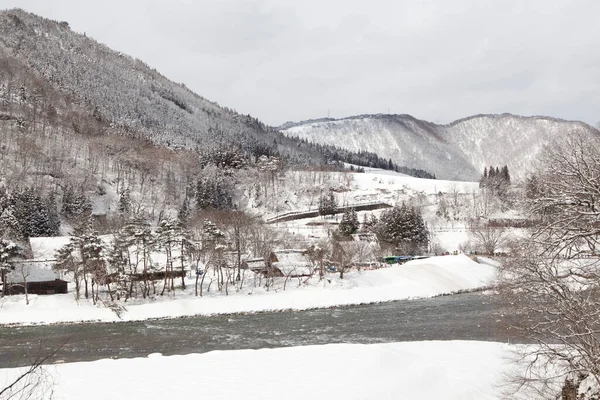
317, 254
238, 227
34, 381
487, 240
554, 278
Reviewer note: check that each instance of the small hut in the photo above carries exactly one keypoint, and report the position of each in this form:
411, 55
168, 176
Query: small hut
291, 263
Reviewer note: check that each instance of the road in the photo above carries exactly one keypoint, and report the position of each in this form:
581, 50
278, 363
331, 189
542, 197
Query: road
472, 316
295, 215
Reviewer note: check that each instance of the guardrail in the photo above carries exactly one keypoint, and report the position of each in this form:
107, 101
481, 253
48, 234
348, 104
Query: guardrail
294, 215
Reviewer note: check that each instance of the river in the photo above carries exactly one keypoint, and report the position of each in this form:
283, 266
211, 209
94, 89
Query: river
471, 316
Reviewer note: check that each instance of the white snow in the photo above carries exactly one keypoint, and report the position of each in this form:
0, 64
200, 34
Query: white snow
589, 387
419, 278
292, 262
32, 272
45, 248
369, 182
411, 370
459, 150
488, 261
300, 190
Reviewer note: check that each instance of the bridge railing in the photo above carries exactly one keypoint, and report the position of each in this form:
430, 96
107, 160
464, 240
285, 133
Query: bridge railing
289, 215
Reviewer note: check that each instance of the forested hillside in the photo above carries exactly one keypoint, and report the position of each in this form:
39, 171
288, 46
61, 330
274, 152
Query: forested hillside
127, 95
81, 120
129, 98
458, 150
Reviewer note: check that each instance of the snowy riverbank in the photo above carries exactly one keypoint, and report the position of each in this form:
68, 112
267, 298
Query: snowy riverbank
419, 278
410, 370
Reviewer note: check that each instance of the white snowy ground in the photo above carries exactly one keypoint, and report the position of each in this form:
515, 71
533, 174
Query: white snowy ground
410, 370
419, 278
354, 188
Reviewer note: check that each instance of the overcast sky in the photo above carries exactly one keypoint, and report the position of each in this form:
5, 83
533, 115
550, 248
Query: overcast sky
438, 60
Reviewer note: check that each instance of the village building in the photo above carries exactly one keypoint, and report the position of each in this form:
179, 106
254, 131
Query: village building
38, 276
291, 263
35, 276
360, 254
282, 263
256, 265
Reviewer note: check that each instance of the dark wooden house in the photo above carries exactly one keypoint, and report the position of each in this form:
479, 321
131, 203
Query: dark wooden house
37, 276
157, 275
41, 287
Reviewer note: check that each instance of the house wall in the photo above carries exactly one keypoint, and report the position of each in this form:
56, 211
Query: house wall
46, 287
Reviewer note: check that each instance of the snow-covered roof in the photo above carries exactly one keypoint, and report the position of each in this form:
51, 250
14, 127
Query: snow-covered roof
293, 262
34, 271
45, 248
256, 263
231, 257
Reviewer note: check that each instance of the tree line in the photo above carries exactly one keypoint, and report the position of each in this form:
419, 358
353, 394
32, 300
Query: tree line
495, 179
363, 158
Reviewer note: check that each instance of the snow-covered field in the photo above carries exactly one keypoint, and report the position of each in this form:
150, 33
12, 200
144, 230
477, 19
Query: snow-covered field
419, 278
301, 189
413, 370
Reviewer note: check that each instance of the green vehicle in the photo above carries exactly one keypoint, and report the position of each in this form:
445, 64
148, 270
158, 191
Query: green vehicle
397, 259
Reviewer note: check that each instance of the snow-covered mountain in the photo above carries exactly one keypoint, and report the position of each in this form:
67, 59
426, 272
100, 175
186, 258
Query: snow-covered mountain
459, 150
120, 92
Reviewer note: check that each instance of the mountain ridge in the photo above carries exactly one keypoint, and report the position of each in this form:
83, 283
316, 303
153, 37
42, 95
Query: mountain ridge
122, 94
290, 124
456, 150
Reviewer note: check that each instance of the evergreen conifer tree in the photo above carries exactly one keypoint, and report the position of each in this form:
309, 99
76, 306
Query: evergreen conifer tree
9, 225
483, 181
327, 204
75, 205
403, 227
53, 216
505, 174
349, 223
124, 205
183, 214
332, 203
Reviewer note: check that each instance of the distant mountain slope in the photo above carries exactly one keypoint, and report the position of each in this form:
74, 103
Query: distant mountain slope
458, 150
508, 139
129, 96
